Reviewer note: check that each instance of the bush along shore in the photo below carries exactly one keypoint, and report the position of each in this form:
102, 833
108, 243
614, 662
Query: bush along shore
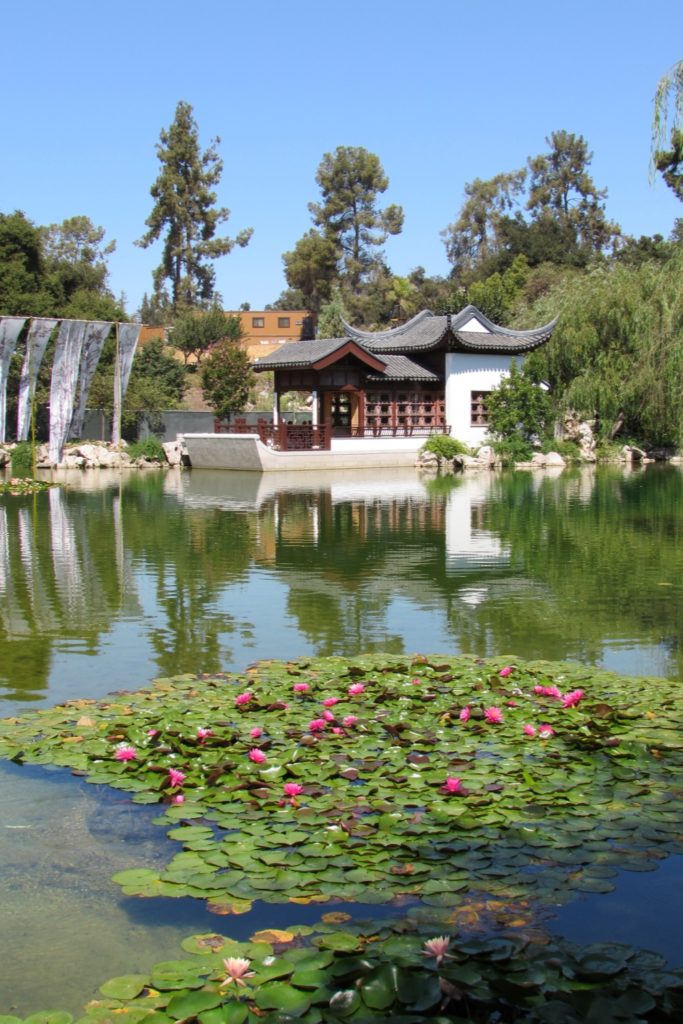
471, 795
150, 453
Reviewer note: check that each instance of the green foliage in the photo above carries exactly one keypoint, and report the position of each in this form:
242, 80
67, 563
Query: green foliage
185, 214
332, 317
569, 450
195, 333
617, 351
519, 410
350, 180
311, 269
21, 459
445, 447
513, 449
227, 378
497, 295
668, 109
670, 163
475, 236
149, 448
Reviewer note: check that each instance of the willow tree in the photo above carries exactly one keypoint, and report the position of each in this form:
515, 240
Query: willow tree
668, 109
185, 214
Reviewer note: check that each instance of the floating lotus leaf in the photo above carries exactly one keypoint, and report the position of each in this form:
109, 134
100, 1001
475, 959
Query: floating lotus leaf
125, 987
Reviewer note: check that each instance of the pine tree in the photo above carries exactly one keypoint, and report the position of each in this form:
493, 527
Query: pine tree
185, 214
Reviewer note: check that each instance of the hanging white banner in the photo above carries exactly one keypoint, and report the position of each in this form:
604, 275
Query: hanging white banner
95, 337
10, 329
63, 386
127, 335
38, 336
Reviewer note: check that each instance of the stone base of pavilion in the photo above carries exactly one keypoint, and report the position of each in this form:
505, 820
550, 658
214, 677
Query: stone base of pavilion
247, 452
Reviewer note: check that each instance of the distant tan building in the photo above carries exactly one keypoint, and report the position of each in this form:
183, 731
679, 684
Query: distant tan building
267, 330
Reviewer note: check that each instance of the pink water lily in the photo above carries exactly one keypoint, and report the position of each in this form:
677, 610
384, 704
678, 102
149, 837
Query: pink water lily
493, 715
548, 691
349, 721
237, 968
203, 732
178, 799
301, 687
292, 789
464, 715
125, 752
328, 716
452, 785
256, 755
317, 725
355, 689
243, 698
529, 730
437, 947
506, 671
571, 699
256, 732
176, 777
329, 702
152, 732
545, 731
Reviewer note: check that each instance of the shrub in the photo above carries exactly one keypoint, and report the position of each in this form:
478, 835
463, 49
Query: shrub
445, 447
150, 448
513, 449
22, 459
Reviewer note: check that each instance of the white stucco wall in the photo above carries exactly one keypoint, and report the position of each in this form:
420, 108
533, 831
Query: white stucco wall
467, 372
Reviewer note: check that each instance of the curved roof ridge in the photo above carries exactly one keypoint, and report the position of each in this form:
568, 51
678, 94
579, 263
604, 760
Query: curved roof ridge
392, 332
458, 320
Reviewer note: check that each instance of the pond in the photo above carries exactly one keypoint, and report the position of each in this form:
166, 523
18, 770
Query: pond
113, 580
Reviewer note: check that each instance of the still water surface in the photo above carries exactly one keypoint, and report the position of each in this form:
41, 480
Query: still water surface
113, 580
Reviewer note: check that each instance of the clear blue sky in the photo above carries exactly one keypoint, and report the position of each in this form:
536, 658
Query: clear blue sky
444, 91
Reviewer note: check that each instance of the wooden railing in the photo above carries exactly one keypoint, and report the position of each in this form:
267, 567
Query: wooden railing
293, 437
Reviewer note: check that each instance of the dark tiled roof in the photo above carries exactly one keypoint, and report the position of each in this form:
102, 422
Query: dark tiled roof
299, 353
424, 331
402, 368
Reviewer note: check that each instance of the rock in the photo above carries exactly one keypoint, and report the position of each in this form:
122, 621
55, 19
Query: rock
486, 455
173, 450
543, 460
633, 454
4, 458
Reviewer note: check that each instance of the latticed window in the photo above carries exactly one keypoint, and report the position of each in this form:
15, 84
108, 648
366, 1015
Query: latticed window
479, 416
403, 411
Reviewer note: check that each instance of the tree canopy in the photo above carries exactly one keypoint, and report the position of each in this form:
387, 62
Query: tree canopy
227, 378
185, 214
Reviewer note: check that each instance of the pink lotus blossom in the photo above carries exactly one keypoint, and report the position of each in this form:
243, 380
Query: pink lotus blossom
243, 698
337, 731
529, 730
493, 715
437, 947
506, 671
256, 732
292, 789
237, 968
317, 725
545, 731
176, 777
125, 752
329, 702
256, 755
415, 682
572, 698
548, 691
301, 687
328, 716
452, 784
178, 799
152, 732
464, 715
355, 689
203, 732
349, 720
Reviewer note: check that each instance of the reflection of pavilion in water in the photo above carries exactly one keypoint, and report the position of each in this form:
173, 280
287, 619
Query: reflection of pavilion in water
50, 586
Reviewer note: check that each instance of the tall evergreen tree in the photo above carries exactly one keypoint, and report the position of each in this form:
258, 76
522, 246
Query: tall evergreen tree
351, 180
185, 214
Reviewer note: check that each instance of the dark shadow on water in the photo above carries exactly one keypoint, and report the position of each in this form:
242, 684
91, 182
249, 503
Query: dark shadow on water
645, 910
